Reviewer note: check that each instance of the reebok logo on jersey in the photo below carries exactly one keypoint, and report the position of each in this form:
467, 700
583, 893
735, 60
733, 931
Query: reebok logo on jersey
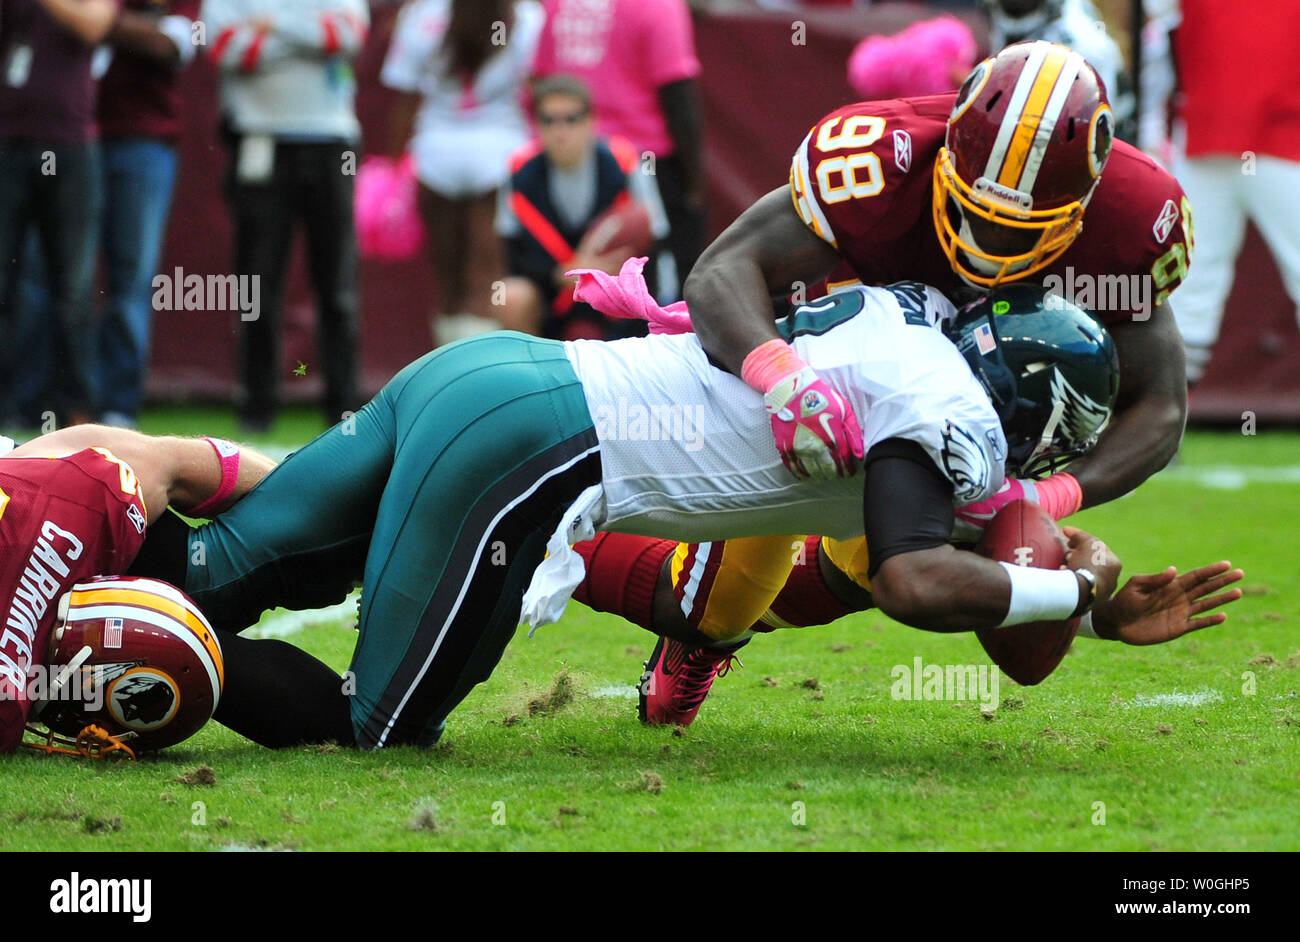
903, 151
136, 517
1164, 223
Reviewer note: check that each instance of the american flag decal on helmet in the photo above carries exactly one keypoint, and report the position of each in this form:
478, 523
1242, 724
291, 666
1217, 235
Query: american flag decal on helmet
112, 632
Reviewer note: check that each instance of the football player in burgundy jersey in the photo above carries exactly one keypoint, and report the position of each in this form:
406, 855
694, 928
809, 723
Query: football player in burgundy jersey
978, 187
964, 191
74, 504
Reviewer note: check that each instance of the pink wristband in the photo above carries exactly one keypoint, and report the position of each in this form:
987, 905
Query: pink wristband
769, 363
228, 455
1060, 495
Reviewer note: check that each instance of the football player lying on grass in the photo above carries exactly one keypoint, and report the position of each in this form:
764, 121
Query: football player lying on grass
440, 494
75, 504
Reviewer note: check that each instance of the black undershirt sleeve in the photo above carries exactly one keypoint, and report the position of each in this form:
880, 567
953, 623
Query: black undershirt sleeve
907, 503
165, 551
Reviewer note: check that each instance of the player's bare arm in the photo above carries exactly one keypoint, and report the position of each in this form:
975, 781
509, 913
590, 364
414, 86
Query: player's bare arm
180, 472
1149, 414
759, 256
946, 589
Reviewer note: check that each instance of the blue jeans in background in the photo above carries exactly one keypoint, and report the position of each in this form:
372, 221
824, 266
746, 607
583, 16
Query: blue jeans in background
139, 177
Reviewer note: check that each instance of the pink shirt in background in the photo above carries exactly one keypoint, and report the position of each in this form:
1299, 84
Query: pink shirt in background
624, 50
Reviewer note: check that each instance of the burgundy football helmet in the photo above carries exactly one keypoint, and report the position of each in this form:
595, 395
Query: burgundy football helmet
134, 657
1027, 139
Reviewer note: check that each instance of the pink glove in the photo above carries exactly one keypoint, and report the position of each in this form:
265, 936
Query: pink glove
1060, 495
626, 295
815, 429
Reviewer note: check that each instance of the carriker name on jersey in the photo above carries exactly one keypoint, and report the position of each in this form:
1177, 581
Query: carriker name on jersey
46, 577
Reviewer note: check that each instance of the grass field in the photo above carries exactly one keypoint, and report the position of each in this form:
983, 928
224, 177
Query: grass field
1193, 745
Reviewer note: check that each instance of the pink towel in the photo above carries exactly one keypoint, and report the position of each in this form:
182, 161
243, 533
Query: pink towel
388, 221
627, 296
928, 57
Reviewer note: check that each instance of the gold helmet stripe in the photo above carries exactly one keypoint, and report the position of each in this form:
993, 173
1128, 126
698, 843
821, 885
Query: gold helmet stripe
93, 595
1034, 119
1055, 105
1015, 109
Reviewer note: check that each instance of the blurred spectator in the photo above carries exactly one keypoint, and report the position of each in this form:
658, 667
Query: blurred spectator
461, 65
927, 58
49, 176
638, 59
1077, 24
288, 118
1158, 79
139, 125
1239, 80
559, 187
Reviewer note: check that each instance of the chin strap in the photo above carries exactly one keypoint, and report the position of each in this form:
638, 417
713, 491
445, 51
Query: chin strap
93, 742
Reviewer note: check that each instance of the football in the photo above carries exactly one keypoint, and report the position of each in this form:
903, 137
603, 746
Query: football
1024, 534
625, 227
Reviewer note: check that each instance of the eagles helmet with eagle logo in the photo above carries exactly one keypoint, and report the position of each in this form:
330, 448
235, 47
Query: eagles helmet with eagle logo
1050, 369
134, 657
1027, 139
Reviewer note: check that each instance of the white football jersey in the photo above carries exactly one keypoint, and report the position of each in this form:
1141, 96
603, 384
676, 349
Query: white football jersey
687, 450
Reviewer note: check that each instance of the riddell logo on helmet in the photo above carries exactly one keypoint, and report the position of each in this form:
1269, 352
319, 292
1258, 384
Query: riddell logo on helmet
996, 192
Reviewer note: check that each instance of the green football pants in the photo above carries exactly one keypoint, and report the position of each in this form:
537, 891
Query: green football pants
439, 495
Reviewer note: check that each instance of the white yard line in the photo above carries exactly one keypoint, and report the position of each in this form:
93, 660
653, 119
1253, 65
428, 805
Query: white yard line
1178, 699
1230, 477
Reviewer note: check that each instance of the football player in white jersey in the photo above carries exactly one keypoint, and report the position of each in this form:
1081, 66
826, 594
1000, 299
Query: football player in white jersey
441, 495
442, 492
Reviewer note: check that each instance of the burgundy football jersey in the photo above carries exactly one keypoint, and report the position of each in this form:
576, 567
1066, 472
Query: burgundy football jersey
62, 520
862, 180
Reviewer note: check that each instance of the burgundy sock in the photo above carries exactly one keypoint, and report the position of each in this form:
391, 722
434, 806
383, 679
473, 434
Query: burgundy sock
622, 572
